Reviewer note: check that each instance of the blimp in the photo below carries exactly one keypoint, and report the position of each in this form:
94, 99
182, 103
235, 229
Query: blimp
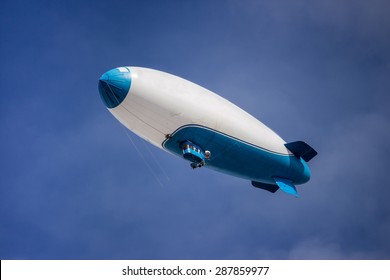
203, 128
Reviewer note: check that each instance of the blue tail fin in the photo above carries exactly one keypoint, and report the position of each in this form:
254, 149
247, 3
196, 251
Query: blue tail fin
283, 184
286, 186
301, 149
267, 187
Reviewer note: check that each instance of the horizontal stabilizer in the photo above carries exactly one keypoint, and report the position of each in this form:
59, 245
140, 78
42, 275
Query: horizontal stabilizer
286, 186
267, 187
301, 149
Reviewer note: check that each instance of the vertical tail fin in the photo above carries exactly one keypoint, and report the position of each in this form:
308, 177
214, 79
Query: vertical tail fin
301, 149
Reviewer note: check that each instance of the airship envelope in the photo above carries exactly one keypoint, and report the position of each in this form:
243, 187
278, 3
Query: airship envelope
203, 128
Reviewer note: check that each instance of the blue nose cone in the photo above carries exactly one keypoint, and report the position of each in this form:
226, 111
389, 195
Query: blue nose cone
114, 86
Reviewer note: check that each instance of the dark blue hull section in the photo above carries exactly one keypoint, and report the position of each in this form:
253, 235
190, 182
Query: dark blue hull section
239, 158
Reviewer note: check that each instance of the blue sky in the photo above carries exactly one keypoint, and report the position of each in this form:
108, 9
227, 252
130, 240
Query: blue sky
72, 186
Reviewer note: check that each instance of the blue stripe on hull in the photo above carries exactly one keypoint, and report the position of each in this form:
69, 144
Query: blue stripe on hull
239, 158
